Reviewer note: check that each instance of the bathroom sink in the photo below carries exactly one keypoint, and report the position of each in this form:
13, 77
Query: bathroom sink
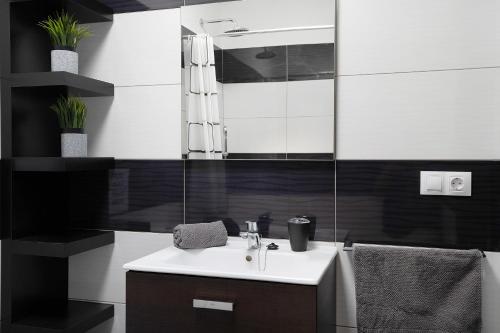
235, 261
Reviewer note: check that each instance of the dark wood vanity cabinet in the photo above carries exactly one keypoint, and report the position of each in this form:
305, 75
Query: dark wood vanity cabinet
158, 303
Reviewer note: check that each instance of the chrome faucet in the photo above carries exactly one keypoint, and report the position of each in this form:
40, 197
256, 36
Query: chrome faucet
252, 235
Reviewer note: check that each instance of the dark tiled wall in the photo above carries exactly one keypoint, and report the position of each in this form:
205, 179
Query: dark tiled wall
149, 195
137, 195
270, 192
380, 202
279, 63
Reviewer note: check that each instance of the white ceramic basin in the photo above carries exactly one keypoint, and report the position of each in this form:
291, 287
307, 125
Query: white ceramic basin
230, 261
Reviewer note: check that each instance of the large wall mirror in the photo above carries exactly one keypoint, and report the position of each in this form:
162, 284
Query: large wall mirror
258, 79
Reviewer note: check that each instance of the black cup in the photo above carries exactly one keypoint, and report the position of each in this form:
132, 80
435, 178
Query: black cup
298, 230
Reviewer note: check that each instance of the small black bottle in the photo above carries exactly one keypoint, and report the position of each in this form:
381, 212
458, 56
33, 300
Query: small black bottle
298, 230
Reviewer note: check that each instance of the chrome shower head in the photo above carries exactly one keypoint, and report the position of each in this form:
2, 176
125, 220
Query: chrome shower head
236, 28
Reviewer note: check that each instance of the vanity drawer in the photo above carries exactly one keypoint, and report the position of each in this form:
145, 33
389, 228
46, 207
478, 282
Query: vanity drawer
164, 303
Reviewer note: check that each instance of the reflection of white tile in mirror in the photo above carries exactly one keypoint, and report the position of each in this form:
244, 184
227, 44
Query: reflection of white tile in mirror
310, 134
264, 14
311, 98
256, 135
252, 100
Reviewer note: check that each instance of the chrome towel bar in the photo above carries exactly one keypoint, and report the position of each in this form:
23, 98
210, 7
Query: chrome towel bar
348, 246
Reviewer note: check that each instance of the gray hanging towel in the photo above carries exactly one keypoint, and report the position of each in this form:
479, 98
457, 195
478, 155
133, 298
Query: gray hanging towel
200, 236
417, 290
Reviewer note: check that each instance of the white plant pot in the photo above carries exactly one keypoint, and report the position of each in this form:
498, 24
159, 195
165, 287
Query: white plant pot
64, 61
73, 145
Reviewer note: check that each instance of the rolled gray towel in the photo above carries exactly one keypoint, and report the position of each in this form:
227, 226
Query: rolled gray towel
200, 236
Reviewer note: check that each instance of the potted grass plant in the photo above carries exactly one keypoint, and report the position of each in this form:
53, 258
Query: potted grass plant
65, 34
72, 113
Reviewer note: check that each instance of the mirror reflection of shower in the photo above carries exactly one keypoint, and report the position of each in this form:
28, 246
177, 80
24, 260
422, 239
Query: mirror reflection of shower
269, 93
234, 32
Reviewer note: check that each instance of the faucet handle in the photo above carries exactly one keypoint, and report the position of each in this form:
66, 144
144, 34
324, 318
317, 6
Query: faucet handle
252, 226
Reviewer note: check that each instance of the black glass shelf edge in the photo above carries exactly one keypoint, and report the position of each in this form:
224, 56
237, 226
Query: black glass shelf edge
86, 11
90, 11
61, 164
62, 245
78, 85
78, 317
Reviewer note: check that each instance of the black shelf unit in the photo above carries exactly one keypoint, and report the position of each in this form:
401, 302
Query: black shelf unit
59, 164
75, 84
73, 317
37, 186
63, 244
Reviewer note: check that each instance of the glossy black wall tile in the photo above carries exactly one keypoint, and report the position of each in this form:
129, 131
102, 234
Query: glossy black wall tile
247, 65
137, 195
311, 62
380, 202
268, 191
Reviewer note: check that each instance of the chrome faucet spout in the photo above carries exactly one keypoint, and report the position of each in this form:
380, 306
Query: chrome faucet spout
254, 239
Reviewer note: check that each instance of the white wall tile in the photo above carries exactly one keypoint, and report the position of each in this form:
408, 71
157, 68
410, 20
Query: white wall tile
491, 292
251, 100
141, 48
311, 98
256, 135
139, 122
407, 35
98, 275
346, 299
115, 325
310, 134
433, 115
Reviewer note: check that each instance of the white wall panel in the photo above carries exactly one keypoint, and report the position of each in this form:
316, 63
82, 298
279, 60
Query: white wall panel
432, 115
311, 98
138, 123
310, 134
254, 100
346, 300
407, 35
491, 293
98, 275
141, 48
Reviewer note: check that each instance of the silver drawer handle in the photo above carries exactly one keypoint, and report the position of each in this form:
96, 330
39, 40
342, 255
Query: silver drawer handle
212, 305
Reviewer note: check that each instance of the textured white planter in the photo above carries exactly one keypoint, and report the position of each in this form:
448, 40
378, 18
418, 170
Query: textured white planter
64, 61
73, 145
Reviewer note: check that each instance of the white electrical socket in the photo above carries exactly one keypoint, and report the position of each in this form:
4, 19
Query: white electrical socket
446, 183
459, 183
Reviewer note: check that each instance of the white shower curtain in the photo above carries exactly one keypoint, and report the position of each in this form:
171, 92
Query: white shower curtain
204, 134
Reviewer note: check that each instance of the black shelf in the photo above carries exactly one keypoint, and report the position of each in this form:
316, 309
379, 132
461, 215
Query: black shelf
77, 85
86, 11
62, 245
60, 164
75, 317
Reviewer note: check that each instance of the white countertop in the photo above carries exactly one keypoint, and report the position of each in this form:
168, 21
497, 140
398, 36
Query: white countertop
283, 265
